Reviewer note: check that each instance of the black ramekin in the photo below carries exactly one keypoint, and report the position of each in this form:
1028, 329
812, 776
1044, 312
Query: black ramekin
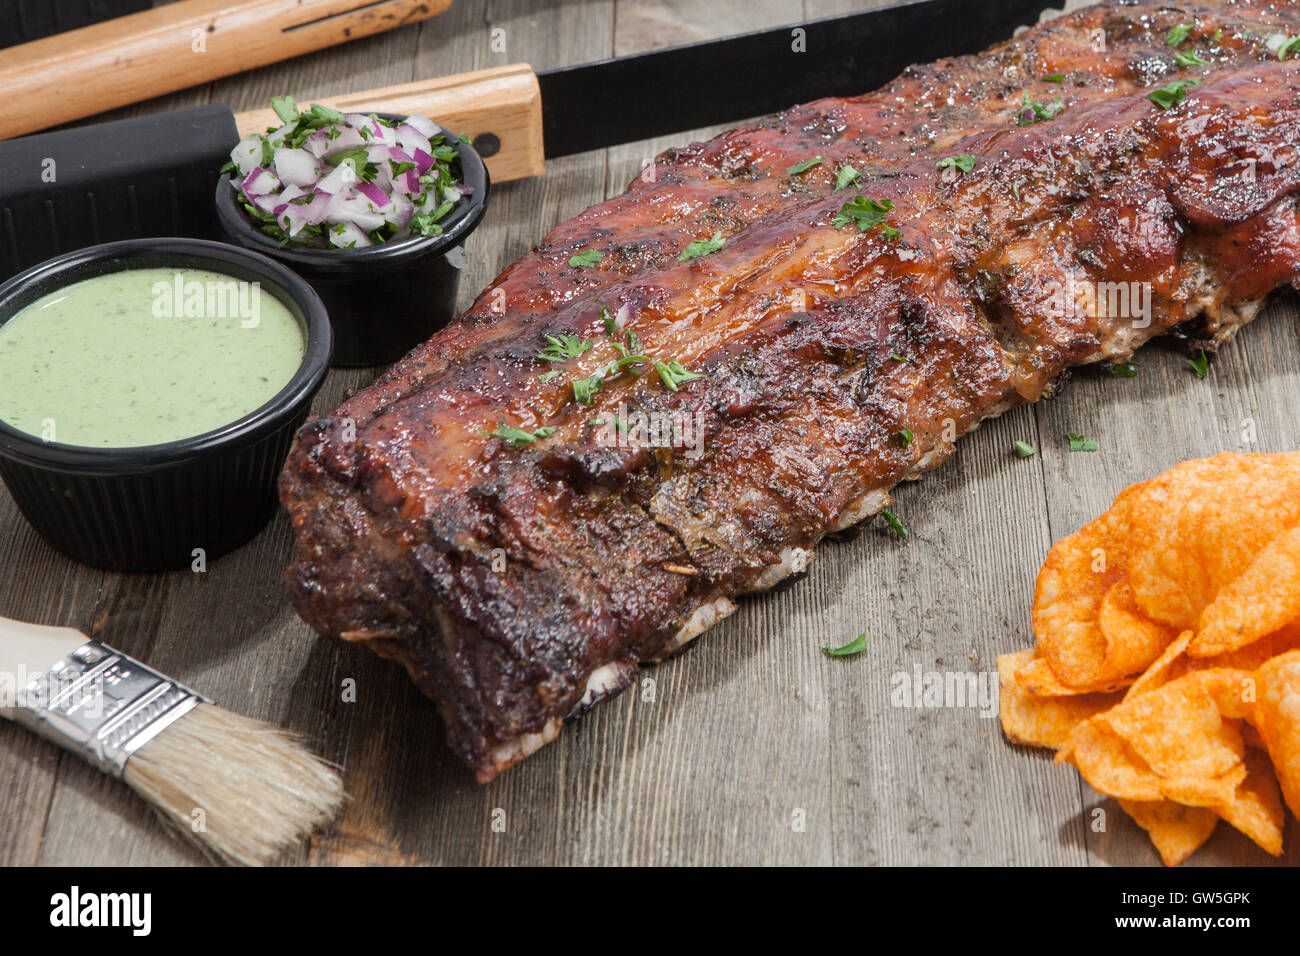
382, 300
148, 508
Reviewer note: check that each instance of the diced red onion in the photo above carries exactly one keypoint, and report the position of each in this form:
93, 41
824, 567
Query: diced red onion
317, 143
423, 162
374, 194
247, 154
423, 125
347, 138
411, 139
399, 211
297, 167
267, 203
260, 181
276, 138
349, 235
341, 177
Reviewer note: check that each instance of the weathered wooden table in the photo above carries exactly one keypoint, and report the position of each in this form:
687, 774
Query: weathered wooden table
752, 747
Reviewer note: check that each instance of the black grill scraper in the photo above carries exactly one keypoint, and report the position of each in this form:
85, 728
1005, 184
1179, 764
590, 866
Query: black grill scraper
146, 176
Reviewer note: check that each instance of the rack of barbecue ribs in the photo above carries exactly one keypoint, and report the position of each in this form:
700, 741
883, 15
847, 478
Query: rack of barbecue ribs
585, 469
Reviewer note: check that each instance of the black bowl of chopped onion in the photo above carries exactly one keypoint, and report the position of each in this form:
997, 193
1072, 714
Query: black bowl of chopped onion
369, 209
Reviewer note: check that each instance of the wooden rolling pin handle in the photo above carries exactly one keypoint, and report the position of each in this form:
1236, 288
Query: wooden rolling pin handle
96, 68
499, 109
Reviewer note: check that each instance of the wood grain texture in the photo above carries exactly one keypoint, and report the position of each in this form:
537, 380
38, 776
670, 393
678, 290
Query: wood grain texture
752, 747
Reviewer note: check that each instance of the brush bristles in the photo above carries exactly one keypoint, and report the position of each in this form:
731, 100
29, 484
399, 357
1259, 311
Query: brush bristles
245, 789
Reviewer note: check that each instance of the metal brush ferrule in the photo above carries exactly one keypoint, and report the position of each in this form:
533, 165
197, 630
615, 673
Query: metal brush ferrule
102, 705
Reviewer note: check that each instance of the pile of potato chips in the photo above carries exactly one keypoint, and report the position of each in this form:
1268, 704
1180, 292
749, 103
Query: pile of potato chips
1167, 666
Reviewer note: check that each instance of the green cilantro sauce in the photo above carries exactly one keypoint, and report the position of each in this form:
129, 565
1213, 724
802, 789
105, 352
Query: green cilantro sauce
144, 356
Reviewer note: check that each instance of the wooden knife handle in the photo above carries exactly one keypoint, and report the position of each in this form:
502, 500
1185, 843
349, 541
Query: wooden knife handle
500, 110
96, 68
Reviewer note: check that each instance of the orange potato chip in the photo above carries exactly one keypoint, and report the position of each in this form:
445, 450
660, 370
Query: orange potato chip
1208, 726
1068, 594
1108, 763
1167, 666
1251, 738
1176, 831
1212, 792
1133, 640
1277, 716
1037, 677
1264, 598
1257, 808
1255, 654
1198, 526
1041, 722
1178, 729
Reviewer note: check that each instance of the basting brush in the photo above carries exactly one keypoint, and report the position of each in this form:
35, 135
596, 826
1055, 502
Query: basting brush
245, 790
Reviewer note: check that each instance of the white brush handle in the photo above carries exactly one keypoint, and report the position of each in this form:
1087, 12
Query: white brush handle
29, 649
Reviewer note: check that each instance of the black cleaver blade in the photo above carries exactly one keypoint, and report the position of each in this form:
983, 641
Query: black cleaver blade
144, 176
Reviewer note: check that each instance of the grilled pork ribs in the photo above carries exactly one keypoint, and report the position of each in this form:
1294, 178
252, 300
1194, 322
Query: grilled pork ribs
759, 356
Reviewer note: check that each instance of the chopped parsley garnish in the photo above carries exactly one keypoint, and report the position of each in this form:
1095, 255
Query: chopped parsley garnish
1178, 35
806, 165
1032, 112
906, 435
702, 247
633, 341
286, 107
547, 376
868, 214
518, 438
965, 163
586, 259
1288, 47
426, 223
855, 646
1079, 443
1127, 369
1171, 94
1024, 449
561, 348
608, 318
846, 177
895, 525
1188, 58
585, 388
1054, 78
359, 160
673, 374
1200, 365
898, 358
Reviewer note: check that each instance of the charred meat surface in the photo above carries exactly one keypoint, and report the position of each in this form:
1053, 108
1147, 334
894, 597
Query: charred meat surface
1106, 181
